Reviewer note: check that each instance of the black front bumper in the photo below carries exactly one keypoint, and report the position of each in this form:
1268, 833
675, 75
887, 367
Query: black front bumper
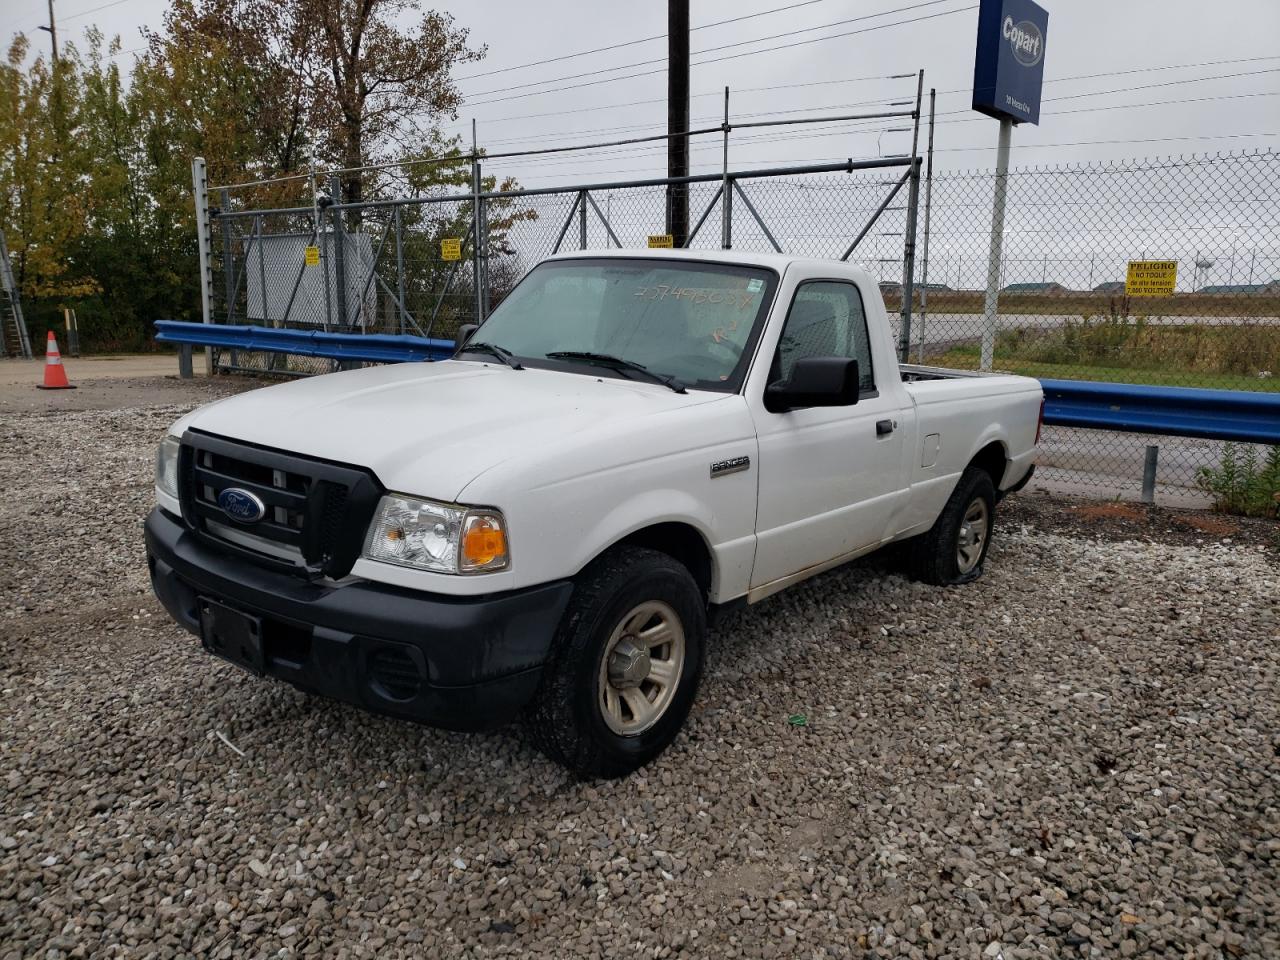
458, 663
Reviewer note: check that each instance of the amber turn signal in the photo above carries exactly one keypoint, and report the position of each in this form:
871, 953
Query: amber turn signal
484, 543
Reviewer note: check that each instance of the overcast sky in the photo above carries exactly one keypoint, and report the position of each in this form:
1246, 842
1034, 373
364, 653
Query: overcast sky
1223, 55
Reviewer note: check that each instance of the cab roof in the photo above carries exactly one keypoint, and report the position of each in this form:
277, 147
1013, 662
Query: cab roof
775, 261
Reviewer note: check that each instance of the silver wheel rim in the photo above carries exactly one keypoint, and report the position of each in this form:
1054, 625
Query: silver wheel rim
641, 668
974, 528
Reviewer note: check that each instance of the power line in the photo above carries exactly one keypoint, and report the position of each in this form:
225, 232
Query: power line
1094, 143
822, 83
833, 159
709, 118
632, 43
838, 106
698, 53
85, 13
708, 93
846, 128
732, 56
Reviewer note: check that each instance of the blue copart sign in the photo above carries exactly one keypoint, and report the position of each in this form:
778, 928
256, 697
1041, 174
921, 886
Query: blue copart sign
1009, 67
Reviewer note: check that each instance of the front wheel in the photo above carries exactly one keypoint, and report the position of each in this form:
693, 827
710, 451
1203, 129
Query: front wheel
624, 666
955, 548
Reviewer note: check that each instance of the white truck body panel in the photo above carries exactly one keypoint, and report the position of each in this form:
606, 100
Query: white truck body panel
577, 462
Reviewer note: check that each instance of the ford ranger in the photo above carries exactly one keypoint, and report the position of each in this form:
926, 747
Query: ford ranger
541, 526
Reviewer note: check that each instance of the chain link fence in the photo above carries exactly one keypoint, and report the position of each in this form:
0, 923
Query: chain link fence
1205, 226
1072, 235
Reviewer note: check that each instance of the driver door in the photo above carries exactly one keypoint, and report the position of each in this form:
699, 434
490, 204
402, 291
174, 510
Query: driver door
830, 477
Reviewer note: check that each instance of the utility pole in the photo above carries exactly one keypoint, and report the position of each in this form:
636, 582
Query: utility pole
677, 119
58, 118
52, 30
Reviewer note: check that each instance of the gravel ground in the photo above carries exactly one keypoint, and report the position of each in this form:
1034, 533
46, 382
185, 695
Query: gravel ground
1079, 755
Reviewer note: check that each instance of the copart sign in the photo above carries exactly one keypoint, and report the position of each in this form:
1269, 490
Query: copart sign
1009, 67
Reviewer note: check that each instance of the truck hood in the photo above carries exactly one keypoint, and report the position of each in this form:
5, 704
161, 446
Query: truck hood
431, 428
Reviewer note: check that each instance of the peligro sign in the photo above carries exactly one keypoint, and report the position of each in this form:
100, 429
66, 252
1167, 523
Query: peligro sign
1009, 67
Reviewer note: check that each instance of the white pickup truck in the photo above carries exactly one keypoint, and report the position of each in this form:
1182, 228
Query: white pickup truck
541, 525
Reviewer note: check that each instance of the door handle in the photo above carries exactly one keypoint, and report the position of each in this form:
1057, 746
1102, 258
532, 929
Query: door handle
884, 427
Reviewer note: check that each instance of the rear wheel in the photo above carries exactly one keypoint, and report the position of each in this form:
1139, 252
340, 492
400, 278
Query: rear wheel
624, 667
955, 548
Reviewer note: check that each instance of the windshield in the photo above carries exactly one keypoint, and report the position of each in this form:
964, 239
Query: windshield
695, 322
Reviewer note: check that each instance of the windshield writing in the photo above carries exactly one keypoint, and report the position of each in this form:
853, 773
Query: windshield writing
691, 321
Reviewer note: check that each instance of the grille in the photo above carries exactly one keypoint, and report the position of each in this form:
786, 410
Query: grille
395, 674
316, 512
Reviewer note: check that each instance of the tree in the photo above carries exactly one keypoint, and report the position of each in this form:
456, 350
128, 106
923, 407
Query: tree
95, 170
370, 79
41, 204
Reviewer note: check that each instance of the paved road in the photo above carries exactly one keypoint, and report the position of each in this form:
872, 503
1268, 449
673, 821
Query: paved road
102, 383
31, 372
1109, 465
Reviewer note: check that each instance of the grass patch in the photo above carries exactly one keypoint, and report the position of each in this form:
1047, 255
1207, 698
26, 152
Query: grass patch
1075, 304
1120, 349
1244, 483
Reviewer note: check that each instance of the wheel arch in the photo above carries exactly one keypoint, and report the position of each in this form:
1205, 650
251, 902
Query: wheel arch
993, 458
681, 541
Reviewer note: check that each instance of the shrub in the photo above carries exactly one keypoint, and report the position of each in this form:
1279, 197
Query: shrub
1243, 483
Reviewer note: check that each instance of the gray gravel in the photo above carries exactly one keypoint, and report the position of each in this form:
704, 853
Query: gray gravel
1077, 756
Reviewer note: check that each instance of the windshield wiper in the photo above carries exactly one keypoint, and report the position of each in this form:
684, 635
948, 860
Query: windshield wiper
616, 363
502, 353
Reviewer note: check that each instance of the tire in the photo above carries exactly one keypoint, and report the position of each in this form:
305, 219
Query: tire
582, 716
945, 556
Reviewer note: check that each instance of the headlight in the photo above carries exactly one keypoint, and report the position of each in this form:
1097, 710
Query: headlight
167, 466
443, 537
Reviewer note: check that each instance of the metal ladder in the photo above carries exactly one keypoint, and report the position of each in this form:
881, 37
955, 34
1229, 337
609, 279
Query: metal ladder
15, 339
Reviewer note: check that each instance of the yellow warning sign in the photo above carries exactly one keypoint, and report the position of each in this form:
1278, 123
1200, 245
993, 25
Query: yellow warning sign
313, 256
661, 241
1151, 278
451, 249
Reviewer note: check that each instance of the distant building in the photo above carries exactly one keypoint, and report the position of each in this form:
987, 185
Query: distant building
1050, 287
1238, 287
1111, 286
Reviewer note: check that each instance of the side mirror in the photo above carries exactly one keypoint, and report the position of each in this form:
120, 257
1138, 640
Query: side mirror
815, 382
465, 332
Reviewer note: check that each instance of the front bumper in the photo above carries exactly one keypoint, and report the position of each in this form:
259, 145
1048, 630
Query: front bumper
458, 663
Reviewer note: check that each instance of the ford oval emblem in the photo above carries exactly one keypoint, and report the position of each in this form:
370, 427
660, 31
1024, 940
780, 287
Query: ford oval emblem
241, 505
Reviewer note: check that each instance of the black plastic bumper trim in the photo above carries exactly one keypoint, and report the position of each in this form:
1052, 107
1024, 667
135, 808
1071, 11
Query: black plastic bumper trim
480, 658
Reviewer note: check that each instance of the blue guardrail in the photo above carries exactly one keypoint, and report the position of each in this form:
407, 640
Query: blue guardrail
376, 347
1171, 411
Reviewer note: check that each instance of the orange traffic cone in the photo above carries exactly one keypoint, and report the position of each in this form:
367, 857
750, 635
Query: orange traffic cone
55, 374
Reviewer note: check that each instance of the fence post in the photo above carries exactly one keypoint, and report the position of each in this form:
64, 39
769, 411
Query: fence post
909, 241
582, 220
73, 331
1149, 473
477, 272
928, 207
262, 268
482, 244
994, 260
726, 195
400, 305
228, 262
200, 190
228, 266
339, 252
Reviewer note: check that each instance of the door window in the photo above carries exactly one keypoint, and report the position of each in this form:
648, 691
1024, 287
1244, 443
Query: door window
826, 319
